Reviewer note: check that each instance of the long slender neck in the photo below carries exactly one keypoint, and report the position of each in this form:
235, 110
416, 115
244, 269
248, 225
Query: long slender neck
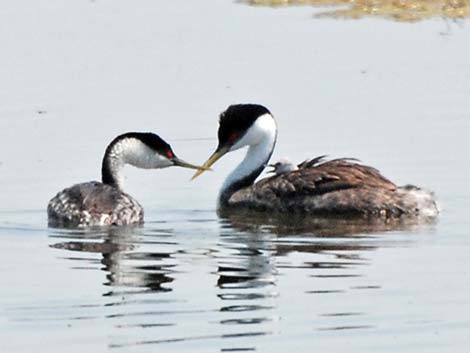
112, 164
249, 169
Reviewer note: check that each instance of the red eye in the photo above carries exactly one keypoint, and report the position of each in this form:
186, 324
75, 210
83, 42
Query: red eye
233, 136
170, 154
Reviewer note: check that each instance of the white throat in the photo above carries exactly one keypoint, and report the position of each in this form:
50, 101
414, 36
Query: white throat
134, 152
260, 138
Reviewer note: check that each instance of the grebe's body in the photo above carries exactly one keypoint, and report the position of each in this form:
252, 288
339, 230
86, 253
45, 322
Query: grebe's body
338, 186
105, 203
341, 187
93, 204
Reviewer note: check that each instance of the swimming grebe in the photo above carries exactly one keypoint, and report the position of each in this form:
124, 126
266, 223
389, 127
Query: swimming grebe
99, 204
335, 187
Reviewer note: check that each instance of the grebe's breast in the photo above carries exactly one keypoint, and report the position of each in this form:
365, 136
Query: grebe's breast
335, 187
93, 204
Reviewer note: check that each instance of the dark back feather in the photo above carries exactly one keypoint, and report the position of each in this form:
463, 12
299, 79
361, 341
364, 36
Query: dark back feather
336, 187
317, 176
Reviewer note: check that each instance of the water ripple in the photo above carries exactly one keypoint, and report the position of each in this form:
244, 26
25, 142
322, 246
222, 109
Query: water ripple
173, 280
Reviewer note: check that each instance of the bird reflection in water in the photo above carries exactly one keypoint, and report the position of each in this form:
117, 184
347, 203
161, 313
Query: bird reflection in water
325, 254
317, 234
338, 227
125, 266
241, 278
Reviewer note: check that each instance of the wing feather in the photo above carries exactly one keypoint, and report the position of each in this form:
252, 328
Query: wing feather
317, 177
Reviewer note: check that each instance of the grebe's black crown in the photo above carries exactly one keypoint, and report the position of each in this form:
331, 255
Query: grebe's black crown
149, 139
236, 120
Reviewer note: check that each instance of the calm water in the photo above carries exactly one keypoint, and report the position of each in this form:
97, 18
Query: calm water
394, 95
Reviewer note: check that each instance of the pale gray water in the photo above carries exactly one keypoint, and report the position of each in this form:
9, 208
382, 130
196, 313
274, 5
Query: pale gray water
75, 74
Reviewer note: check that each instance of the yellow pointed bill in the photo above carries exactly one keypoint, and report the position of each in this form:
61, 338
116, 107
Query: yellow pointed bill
180, 163
212, 159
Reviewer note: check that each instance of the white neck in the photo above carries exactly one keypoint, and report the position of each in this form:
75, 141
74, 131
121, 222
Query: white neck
261, 139
129, 151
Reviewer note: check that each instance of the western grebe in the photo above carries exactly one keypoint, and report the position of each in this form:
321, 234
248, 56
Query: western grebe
283, 165
99, 204
334, 187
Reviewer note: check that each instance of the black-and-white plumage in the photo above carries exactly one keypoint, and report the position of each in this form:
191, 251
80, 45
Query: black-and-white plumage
317, 186
105, 203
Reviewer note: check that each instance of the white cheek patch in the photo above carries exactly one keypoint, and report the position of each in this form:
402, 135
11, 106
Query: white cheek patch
239, 144
262, 127
140, 155
161, 161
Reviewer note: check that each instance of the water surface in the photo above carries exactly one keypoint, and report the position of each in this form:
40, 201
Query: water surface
393, 95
